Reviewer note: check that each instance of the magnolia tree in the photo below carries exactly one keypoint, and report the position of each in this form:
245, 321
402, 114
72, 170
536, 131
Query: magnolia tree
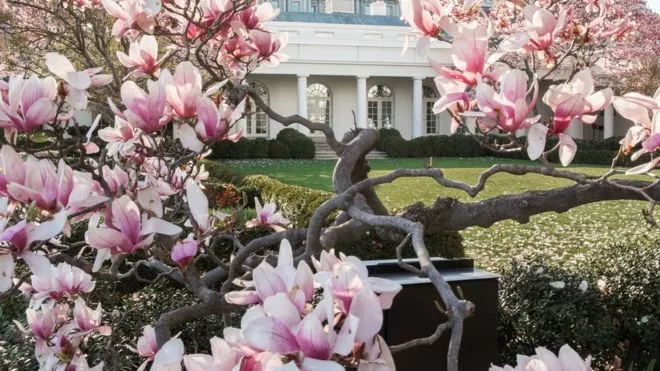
136, 187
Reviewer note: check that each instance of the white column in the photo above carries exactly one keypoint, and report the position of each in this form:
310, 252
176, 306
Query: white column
302, 101
575, 129
361, 114
417, 107
608, 124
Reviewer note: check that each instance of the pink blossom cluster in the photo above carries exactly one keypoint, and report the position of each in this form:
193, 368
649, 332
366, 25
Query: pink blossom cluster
504, 99
544, 360
236, 36
283, 328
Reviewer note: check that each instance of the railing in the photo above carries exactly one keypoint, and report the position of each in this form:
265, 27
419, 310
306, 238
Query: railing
388, 8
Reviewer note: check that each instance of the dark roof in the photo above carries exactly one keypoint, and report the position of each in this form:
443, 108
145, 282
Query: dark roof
340, 18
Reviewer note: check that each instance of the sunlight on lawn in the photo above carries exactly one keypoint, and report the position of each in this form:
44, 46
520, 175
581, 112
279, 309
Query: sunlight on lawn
563, 237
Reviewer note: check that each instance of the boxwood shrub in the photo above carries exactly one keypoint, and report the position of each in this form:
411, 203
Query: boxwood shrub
300, 145
384, 134
278, 149
296, 203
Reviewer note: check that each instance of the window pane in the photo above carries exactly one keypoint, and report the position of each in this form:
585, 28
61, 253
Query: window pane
386, 114
431, 124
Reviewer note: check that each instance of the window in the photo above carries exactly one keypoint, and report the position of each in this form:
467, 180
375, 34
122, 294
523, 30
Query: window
388, 8
430, 118
319, 104
256, 124
380, 107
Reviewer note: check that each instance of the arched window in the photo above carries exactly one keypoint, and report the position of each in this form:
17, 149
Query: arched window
380, 107
256, 124
319, 103
430, 118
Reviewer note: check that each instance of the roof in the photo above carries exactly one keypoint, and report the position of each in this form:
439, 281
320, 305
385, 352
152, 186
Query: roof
340, 18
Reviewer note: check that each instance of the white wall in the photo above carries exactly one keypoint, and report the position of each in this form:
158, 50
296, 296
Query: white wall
283, 99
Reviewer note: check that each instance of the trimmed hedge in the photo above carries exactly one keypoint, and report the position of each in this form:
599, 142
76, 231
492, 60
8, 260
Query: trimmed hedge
295, 202
289, 144
459, 145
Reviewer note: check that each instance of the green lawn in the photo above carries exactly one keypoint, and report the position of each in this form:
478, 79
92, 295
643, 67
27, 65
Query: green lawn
562, 236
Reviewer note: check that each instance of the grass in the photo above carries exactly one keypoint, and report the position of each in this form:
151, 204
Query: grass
563, 237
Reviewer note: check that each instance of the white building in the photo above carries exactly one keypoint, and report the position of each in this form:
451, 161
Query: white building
346, 57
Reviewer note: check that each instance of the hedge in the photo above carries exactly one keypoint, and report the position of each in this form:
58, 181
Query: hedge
459, 145
288, 145
609, 306
296, 203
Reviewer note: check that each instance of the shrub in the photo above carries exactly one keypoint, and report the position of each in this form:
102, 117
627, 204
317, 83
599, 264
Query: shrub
258, 148
16, 351
629, 279
288, 133
301, 147
278, 149
371, 247
296, 203
420, 147
395, 147
221, 173
384, 134
533, 313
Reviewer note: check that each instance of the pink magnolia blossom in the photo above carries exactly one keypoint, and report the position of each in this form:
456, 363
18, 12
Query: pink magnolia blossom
297, 283
542, 27
268, 47
51, 189
453, 97
19, 238
77, 82
124, 231
214, 9
147, 347
573, 100
146, 112
169, 357
184, 89
130, 14
427, 18
121, 138
116, 178
63, 281
304, 340
223, 358
635, 107
267, 216
508, 110
42, 323
470, 56
576, 99
184, 252
215, 121
199, 208
347, 276
545, 360
142, 57
253, 17
29, 105
88, 320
